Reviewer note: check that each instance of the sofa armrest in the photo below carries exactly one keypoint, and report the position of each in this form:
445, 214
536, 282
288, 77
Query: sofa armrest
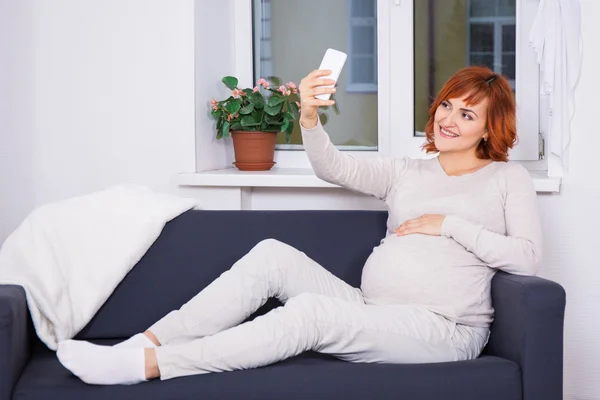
528, 329
15, 337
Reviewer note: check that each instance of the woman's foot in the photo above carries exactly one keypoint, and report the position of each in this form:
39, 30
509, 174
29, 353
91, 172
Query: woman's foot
138, 341
102, 365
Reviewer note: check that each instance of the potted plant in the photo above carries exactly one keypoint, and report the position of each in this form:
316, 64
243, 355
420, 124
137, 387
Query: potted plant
254, 117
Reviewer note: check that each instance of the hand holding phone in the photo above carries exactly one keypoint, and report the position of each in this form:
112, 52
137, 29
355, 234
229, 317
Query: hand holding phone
317, 87
334, 61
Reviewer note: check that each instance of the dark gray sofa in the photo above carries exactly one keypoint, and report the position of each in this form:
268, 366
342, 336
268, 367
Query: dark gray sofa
523, 360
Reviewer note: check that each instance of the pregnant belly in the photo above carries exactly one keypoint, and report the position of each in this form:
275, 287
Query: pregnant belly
420, 269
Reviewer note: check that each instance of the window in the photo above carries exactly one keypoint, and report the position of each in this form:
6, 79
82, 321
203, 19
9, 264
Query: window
362, 47
452, 34
492, 36
400, 53
456, 34
262, 46
280, 51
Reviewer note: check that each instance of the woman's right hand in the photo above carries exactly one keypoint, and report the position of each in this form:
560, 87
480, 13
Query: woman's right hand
311, 86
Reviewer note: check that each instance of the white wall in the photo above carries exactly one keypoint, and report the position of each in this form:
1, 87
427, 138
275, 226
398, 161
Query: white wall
571, 224
16, 139
214, 60
99, 92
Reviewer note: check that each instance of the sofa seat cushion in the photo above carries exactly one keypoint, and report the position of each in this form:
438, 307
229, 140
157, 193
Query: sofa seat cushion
308, 376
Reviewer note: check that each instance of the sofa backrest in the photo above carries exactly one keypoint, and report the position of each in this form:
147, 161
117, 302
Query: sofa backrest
196, 247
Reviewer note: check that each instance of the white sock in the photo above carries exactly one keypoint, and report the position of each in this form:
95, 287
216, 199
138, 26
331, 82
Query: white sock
102, 365
138, 341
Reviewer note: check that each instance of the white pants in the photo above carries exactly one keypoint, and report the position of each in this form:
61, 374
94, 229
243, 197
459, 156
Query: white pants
320, 313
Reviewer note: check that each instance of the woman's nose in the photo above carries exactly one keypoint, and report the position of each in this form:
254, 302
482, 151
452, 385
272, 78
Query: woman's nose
450, 119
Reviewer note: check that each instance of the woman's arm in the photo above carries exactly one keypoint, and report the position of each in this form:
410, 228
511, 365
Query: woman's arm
374, 176
520, 251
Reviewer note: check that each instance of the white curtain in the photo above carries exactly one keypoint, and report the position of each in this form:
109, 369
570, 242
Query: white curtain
556, 38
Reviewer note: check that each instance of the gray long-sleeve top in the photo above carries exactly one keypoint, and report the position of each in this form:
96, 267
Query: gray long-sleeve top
492, 223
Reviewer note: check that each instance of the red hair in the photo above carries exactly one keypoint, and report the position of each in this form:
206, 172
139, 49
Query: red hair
501, 121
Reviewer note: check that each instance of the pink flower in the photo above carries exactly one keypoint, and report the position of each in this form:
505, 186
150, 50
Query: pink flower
213, 102
256, 89
237, 93
263, 82
242, 93
292, 85
284, 91
215, 108
229, 117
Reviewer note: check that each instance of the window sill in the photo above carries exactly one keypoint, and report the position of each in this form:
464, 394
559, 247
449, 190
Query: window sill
303, 177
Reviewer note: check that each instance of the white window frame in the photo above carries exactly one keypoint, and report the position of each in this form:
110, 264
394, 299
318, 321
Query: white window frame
354, 22
262, 63
396, 136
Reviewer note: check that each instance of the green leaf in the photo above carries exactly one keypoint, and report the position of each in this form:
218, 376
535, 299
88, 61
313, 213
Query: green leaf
248, 91
257, 114
220, 123
226, 129
247, 110
335, 107
216, 113
234, 106
275, 80
285, 126
271, 128
236, 126
293, 98
290, 128
230, 81
248, 120
257, 99
275, 100
273, 110
324, 118
294, 109
273, 120
288, 116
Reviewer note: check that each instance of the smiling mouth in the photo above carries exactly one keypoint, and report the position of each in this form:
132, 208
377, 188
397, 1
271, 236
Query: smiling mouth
447, 134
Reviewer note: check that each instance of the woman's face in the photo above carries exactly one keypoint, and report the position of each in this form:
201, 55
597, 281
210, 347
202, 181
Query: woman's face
458, 127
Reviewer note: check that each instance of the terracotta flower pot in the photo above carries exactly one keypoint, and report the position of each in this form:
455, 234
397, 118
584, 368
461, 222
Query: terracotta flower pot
254, 151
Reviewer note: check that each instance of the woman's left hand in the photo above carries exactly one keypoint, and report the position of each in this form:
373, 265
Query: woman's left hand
428, 224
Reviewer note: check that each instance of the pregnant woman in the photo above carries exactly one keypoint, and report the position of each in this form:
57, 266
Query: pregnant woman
454, 220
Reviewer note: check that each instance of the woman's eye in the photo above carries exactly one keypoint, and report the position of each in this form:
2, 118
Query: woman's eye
467, 116
445, 105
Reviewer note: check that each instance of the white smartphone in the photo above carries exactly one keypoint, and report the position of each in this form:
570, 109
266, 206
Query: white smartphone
333, 60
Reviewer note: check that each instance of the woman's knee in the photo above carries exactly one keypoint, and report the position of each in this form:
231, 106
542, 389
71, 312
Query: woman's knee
269, 245
307, 305
271, 250
301, 311
260, 258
